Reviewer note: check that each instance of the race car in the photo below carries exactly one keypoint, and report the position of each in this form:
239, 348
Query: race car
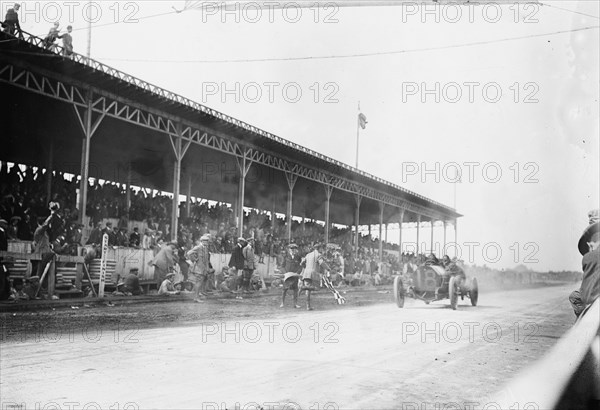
433, 282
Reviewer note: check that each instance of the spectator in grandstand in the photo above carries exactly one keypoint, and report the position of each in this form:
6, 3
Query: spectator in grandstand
163, 262
249, 264
167, 287
51, 37
74, 234
96, 235
11, 21
112, 235
3, 235
132, 283
589, 247
134, 238
13, 228
25, 229
55, 222
67, 41
147, 239
122, 239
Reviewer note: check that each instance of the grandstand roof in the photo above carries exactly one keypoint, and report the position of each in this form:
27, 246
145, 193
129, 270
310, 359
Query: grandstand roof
40, 90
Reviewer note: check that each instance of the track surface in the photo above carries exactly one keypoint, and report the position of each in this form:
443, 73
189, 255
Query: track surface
346, 357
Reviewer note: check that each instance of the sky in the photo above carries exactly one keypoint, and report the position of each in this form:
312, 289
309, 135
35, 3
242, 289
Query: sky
507, 95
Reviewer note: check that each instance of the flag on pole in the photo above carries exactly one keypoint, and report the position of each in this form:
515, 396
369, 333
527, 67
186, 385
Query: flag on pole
362, 120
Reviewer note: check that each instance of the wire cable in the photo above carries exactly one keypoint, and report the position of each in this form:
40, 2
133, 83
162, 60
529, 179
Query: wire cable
358, 55
570, 11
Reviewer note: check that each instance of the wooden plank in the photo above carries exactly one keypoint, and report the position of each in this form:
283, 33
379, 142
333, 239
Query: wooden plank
52, 278
78, 275
38, 257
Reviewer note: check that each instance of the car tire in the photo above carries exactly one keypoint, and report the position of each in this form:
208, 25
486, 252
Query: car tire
399, 291
474, 292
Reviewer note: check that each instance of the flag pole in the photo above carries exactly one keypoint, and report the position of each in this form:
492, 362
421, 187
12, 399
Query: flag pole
357, 134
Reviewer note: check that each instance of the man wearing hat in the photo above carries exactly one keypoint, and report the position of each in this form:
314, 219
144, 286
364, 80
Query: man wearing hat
589, 247
311, 274
290, 279
167, 287
122, 239
249, 264
236, 262
96, 235
134, 238
200, 256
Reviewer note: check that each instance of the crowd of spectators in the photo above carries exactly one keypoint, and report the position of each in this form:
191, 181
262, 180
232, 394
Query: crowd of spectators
23, 200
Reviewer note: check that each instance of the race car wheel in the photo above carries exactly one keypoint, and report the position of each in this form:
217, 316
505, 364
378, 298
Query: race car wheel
453, 292
399, 291
474, 292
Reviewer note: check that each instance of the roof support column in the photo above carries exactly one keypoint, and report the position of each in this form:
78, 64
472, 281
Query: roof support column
128, 191
418, 232
456, 235
381, 208
49, 173
88, 127
179, 150
432, 228
358, 200
444, 249
244, 165
188, 208
328, 192
291, 180
400, 235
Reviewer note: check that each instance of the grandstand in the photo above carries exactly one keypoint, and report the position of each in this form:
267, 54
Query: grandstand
80, 116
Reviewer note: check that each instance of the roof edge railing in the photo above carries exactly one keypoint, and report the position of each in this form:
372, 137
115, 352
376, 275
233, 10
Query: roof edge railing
59, 51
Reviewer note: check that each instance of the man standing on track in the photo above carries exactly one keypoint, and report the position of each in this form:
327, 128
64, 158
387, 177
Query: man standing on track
163, 263
311, 274
249, 264
292, 269
236, 262
199, 270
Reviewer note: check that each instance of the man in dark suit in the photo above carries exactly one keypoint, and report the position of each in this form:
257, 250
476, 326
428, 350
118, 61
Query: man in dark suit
134, 238
237, 256
589, 247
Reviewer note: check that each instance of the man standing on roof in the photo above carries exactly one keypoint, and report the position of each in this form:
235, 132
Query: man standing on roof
11, 21
67, 40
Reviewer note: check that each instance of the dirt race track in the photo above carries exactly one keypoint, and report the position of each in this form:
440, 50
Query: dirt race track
250, 354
